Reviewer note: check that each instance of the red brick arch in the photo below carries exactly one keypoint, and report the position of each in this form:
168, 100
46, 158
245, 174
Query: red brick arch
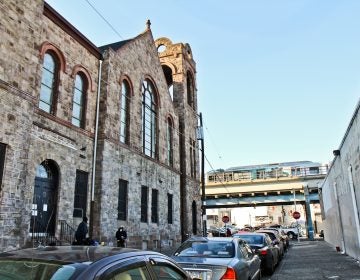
156, 93
128, 80
79, 68
47, 46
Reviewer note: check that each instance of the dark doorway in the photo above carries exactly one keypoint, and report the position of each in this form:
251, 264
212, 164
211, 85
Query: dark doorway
194, 219
44, 207
80, 196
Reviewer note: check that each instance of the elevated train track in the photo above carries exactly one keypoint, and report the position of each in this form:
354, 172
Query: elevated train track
281, 185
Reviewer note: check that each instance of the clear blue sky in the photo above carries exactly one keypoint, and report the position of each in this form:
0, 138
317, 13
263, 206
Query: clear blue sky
278, 80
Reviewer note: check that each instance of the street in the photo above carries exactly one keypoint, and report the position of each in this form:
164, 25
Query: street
315, 260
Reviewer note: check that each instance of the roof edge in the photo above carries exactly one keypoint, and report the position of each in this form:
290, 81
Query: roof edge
66, 26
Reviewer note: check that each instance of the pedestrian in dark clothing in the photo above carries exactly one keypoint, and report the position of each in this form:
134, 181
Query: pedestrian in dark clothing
82, 230
121, 236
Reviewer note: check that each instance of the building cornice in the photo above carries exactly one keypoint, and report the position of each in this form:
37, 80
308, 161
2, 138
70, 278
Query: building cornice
60, 21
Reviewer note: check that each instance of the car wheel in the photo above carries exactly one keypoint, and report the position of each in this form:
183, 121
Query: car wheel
291, 235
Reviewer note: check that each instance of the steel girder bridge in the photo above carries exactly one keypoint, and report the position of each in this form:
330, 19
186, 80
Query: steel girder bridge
232, 192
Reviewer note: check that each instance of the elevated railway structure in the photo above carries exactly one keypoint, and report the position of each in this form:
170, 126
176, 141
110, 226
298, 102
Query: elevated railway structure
265, 185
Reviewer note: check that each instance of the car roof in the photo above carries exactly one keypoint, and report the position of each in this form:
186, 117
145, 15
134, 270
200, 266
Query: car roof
72, 254
275, 232
200, 238
250, 233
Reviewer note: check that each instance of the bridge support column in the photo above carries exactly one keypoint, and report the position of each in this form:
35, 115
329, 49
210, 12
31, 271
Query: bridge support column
309, 223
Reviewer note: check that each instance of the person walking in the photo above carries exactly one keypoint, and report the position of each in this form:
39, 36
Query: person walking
121, 236
82, 230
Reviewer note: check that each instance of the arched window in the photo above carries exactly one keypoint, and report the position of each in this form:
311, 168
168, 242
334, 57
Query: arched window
49, 81
78, 110
124, 112
43, 171
169, 80
190, 89
169, 142
148, 119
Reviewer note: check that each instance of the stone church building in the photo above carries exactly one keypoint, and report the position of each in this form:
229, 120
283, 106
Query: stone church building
105, 132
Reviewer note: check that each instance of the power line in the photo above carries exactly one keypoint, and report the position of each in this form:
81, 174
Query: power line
221, 181
108, 23
218, 154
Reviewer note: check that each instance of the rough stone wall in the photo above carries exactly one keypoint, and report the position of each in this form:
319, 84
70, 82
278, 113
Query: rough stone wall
31, 135
342, 202
136, 61
19, 27
15, 121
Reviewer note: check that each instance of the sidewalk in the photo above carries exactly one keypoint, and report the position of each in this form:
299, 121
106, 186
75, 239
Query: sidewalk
315, 260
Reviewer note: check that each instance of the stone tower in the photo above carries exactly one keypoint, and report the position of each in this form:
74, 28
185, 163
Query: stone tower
180, 74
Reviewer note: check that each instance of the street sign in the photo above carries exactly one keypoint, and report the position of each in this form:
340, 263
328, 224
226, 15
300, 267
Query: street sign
296, 215
225, 219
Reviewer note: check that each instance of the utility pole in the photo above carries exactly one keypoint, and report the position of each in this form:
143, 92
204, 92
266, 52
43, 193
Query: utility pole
200, 137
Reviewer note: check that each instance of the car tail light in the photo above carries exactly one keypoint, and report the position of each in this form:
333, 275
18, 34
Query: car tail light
230, 274
263, 252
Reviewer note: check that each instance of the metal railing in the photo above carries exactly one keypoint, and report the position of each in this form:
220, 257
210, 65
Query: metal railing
41, 236
266, 173
67, 232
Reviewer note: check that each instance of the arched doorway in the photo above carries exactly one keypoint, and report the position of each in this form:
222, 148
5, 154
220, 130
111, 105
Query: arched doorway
44, 207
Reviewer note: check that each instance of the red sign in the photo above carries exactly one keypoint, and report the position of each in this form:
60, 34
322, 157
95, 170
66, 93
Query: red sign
225, 219
296, 215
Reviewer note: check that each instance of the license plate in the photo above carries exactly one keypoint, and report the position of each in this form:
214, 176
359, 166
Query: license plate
203, 275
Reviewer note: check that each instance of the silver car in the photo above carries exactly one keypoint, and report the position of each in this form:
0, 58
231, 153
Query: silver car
211, 258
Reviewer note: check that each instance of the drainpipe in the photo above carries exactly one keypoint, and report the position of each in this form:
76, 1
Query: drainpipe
92, 202
355, 206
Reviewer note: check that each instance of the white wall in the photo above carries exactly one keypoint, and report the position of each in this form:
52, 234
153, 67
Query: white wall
341, 193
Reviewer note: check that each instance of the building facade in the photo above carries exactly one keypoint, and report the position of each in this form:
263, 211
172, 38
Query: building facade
106, 132
340, 193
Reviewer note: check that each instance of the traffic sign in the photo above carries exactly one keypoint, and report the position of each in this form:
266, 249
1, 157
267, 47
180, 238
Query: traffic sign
296, 215
225, 219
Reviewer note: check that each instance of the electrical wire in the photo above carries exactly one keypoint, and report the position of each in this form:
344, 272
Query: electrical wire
221, 181
218, 154
107, 22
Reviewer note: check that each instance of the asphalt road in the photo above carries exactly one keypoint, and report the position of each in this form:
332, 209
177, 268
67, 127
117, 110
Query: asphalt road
315, 260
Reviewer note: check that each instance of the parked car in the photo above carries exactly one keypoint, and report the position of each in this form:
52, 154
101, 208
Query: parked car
264, 248
218, 258
216, 232
87, 262
276, 239
292, 231
283, 235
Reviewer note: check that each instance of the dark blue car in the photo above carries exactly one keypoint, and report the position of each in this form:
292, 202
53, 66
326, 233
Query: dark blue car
87, 262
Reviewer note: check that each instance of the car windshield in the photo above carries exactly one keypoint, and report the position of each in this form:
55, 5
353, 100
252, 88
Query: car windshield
207, 249
34, 270
252, 239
